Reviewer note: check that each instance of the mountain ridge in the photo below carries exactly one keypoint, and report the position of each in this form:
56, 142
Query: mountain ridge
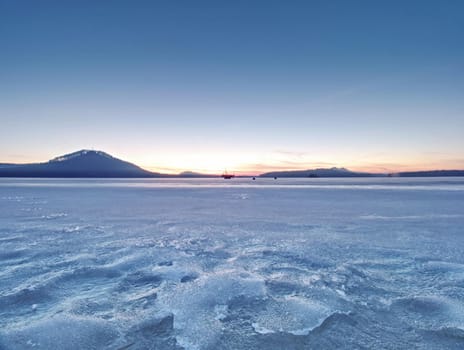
99, 164
319, 172
83, 163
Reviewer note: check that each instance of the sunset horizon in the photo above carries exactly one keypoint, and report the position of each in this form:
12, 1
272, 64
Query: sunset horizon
217, 163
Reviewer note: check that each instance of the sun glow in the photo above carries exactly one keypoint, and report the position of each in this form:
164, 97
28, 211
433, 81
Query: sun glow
208, 163
256, 163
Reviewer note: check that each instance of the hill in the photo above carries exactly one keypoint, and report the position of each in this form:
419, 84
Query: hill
431, 173
84, 163
320, 172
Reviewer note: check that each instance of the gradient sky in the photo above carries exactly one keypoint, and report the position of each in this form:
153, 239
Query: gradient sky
244, 85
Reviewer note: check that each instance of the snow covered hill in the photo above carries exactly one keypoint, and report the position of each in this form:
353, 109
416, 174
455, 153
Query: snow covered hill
84, 163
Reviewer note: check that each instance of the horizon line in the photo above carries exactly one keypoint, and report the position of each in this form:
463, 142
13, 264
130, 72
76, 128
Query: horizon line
263, 169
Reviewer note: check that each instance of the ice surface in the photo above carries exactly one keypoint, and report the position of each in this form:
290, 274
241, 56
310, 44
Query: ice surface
241, 264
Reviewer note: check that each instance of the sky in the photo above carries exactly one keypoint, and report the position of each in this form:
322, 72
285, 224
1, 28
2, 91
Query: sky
243, 85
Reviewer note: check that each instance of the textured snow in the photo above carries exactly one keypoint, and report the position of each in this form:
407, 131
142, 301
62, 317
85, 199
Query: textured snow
239, 264
79, 154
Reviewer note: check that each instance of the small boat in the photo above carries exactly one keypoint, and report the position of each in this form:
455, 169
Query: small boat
227, 176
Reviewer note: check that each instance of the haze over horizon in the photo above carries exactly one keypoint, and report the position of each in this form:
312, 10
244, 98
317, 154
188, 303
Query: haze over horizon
251, 87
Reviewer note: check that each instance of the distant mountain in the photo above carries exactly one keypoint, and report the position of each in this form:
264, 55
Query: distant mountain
90, 163
84, 163
320, 172
431, 173
342, 172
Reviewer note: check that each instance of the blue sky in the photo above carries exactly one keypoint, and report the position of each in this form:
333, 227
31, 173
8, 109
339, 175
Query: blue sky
244, 85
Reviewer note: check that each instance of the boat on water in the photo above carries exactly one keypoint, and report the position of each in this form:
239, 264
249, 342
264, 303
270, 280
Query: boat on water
225, 175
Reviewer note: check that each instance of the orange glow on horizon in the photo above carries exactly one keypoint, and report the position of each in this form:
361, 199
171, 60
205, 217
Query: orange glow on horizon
250, 169
255, 163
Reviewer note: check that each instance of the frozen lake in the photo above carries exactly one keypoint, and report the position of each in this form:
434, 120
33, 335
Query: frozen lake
373, 263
